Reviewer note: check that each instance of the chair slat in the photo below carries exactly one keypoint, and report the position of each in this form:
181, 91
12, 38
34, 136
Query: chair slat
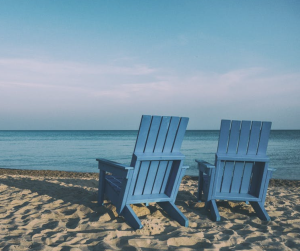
141, 178
159, 177
151, 177
234, 136
254, 137
166, 176
244, 137
227, 177
152, 136
171, 134
143, 133
264, 138
237, 177
219, 175
163, 130
180, 134
224, 135
246, 177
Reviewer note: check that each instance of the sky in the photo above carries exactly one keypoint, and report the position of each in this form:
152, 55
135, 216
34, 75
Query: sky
100, 65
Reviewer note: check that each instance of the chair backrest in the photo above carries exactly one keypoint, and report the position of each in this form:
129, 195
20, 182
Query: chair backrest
241, 156
159, 135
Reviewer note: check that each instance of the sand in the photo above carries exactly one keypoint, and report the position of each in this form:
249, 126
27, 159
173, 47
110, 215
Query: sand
51, 210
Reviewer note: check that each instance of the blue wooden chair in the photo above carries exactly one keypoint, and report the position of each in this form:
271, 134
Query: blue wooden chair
241, 171
154, 174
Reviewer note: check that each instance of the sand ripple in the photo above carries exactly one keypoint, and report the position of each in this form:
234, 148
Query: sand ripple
39, 213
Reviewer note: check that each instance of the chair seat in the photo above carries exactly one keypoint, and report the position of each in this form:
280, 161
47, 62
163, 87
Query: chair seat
114, 182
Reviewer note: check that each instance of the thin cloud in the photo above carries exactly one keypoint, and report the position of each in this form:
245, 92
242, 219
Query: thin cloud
42, 87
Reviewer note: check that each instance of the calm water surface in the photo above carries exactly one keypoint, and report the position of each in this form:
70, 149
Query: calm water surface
77, 150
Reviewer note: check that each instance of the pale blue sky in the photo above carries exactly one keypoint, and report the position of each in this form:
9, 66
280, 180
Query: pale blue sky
102, 64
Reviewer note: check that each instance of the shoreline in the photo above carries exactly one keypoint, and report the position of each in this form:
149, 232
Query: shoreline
78, 175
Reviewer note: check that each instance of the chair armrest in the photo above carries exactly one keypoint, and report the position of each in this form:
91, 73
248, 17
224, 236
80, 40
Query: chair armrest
270, 169
114, 167
270, 172
204, 166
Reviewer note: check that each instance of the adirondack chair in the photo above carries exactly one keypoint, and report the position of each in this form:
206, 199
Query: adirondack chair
241, 171
154, 174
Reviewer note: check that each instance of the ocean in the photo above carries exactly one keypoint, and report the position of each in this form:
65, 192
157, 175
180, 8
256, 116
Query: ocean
77, 150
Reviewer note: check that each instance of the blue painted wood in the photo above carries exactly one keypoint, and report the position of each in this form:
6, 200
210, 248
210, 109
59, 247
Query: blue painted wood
159, 178
257, 174
159, 156
236, 197
246, 177
214, 211
241, 170
181, 173
266, 184
146, 198
210, 192
131, 217
113, 167
200, 186
262, 172
151, 177
101, 187
115, 182
219, 175
264, 138
244, 138
234, 137
155, 172
152, 135
141, 178
240, 157
171, 134
204, 166
174, 212
162, 135
125, 188
166, 177
143, 133
260, 210
205, 170
227, 176
237, 177
180, 134
111, 194
254, 137
224, 135
173, 178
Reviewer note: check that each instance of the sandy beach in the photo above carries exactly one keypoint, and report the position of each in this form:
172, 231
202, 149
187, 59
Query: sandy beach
52, 210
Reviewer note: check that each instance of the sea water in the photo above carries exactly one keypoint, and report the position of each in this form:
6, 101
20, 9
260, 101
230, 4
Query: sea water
77, 150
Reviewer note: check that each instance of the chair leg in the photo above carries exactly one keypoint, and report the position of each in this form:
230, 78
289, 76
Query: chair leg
200, 186
260, 210
174, 212
131, 218
212, 206
101, 187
